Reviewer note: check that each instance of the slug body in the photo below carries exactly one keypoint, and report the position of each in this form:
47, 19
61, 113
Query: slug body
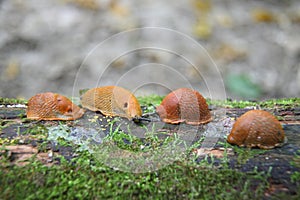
184, 105
257, 128
112, 101
52, 106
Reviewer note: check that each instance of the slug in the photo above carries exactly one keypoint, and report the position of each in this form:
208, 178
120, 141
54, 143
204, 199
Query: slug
52, 106
184, 105
112, 101
257, 128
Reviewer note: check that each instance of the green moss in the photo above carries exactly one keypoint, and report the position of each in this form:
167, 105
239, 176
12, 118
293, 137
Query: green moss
272, 103
244, 154
84, 179
9, 101
230, 103
36, 129
295, 177
150, 102
123, 140
7, 141
285, 102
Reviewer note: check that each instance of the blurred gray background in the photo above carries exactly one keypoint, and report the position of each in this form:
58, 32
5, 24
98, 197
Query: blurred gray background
67, 45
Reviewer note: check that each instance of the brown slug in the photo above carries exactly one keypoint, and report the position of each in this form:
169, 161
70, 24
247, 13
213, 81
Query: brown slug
184, 105
257, 128
52, 106
112, 101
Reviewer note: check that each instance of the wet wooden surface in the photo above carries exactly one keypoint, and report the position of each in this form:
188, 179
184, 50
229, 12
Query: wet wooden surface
280, 162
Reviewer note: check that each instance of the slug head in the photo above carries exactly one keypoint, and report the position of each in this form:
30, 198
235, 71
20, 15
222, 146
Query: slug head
66, 109
170, 109
134, 109
126, 103
239, 132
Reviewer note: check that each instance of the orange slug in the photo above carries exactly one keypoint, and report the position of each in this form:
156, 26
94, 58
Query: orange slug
52, 106
184, 105
257, 128
112, 101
